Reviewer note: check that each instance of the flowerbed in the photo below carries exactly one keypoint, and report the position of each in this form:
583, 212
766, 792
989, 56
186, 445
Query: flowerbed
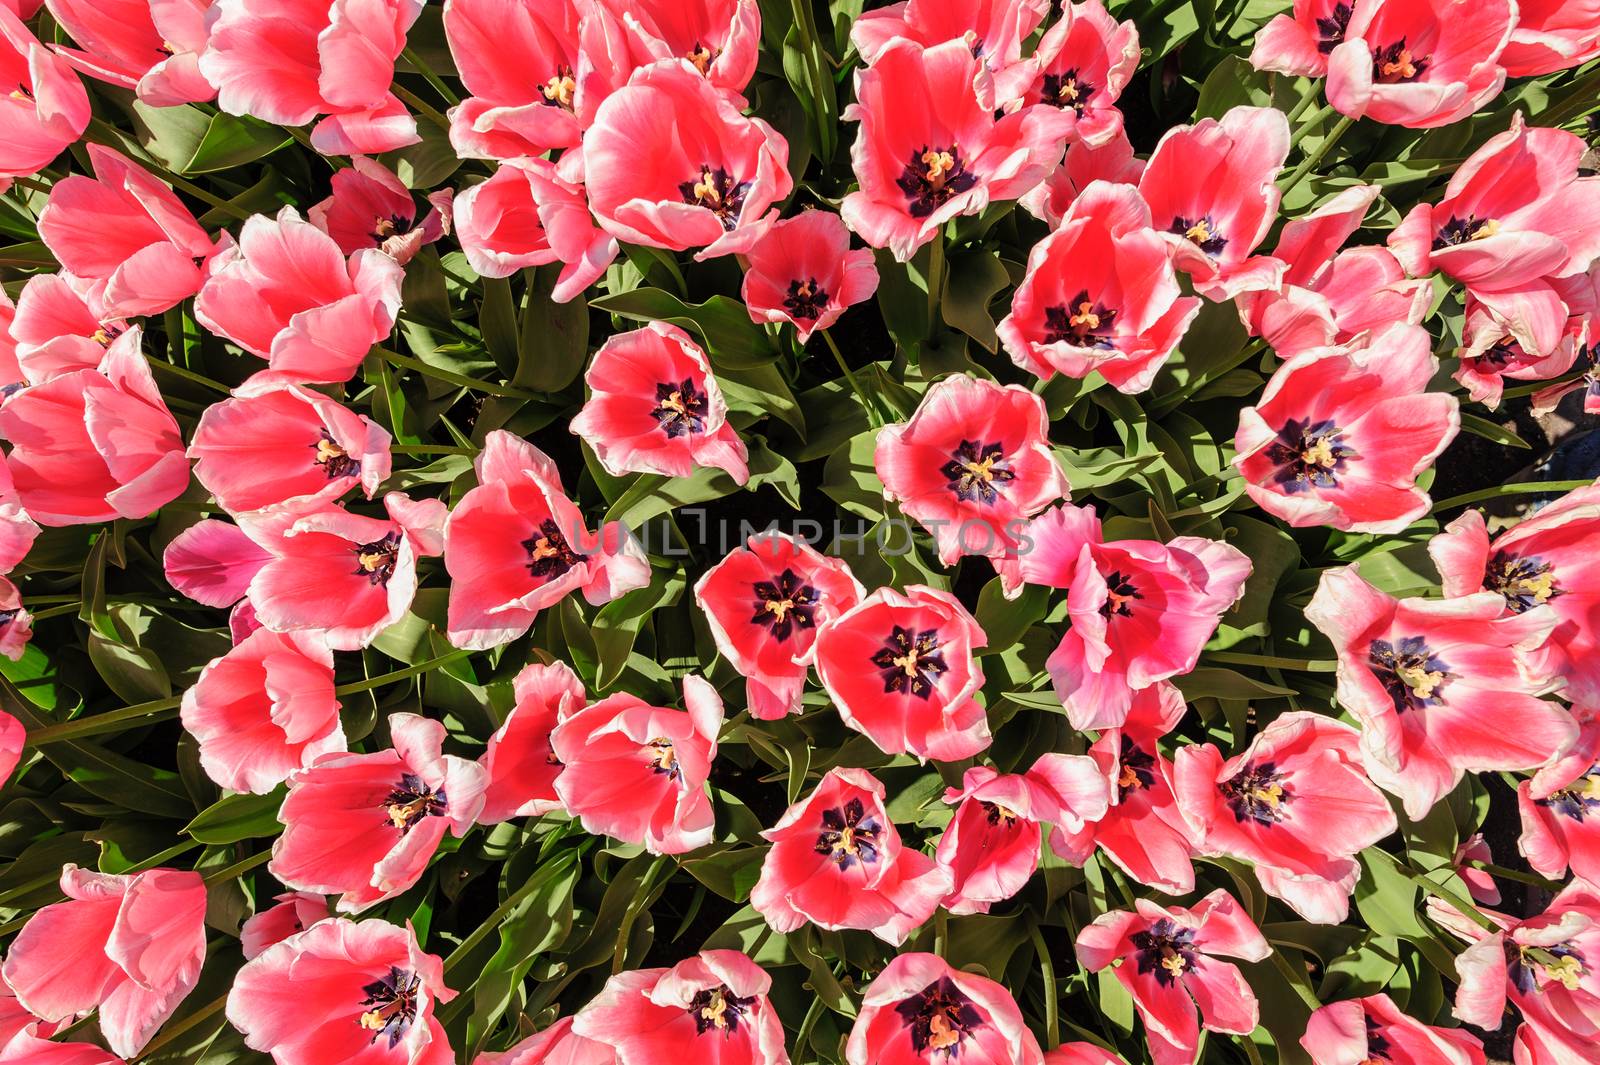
619, 531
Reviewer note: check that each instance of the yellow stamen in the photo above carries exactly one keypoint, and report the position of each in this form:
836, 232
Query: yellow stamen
983, 469
939, 164
1174, 964
702, 58
1487, 228
327, 451
1128, 777
101, 337
907, 662
665, 759
1068, 90
404, 813
1272, 794
1401, 64
371, 560
373, 1020
1566, 971
542, 548
705, 190
1200, 232
1540, 588
940, 1034
1422, 681
383, 228
560, 90
780, 607
716, 1011
1085, 318
1319, 453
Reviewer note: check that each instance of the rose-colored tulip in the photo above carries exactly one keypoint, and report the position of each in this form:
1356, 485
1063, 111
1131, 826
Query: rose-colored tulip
672, 162
29, 1047
1081, 1054
711, 1007
1497, 347
1360, 1030
520, 759
764, 604
993, 31
343, 993
1440, 687
837, 861
295, 912
638, 772
1300, 42
370, 208
286, 293
364, 826
150, 46
284, 443
526, 215
1560, 808
1552, 35
1481, 884
16, 629
1083, 164
62, 325
129, 947
94, 445
972, 464
654, 407
556, 1045
720, 38
17, 530
48, 109
264, 709
929, 148
522, 65
1296, 804
1088, 58
1419, 63
920, 1009
298, 59
804, 273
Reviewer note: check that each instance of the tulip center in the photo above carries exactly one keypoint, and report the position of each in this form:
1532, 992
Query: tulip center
334, 460
806, 299
680, 408
933, 177
411, 800
376, 561
664, 758
1202, 232
718, 192
1559, 963
391, 1005
1331, 30
849, 835
1377, 1045
106, 334
702, 56
549, 554
1524, 582
1396, 64
719, 1009
784, 604
560, 90
1120, 596
1309, 455
1409, 671
1066, 89
386, 226
8, 616
1578, 799
1082, 322
910, 662
939, 1017
1460, 231
1257, 793
1137, 769
976, 471
1166, 950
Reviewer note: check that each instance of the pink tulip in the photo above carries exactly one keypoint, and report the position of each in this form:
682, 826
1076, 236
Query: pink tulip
526, 215
1552, 35
299, 59
1087, 57
213, 562
837, 861
671, 162
991, 846
294, 913
1560, 824
972, 464
1100, 295
1083, 164
1300, 43
1480, 883
370, 208
363, 826
556, 1045
47, 111
1141, 610
900, 669
765, 603
28, 1048
62, 325
921, 1009
285, 443
1419, 63
286, 293
1439, 687
1081, 1054
638, 772
13, 734
654, 407
264, 710
1544, 561
711, 1007
1212, 189
1498, 347
17, 530
129, 947
16, 629
720, 38
1295, 804
1171, 963
1143, 832
343, 993
95, 445
804, 273
1360, 1030
1341, 434
930, 148
150, 46
522, 65
520, 760
517, 544
993, 31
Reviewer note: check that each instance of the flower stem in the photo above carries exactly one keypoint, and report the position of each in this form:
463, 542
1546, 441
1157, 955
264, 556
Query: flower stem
873, 418
423, 107
431, 449
189, 375
1047, 969
935, 278
411, 56
1317, 156
237, 869
1310, 123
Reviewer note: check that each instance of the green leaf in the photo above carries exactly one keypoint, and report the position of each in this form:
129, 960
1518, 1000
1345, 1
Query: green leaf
972, 284
722, 323
1216, 683
238, 817
555, 336
497, 321
1005, 620
231, 141
1490, 431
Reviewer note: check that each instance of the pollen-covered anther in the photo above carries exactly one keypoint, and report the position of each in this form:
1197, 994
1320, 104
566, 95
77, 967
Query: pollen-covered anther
1085, 317
561, 89
705, 190
941, 1034
1422, 681
1400, 66
939, 164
